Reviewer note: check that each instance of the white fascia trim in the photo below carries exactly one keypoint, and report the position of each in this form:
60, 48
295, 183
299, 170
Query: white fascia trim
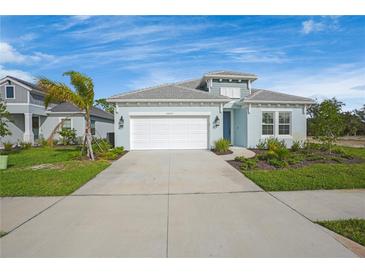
15, 81
278, 102
180, 113
63, 113
231, 76
166, 100
23, 104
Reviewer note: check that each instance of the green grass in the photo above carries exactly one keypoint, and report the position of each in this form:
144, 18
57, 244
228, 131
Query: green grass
316, 176
2, 233
42, 155
65, 176
353, 229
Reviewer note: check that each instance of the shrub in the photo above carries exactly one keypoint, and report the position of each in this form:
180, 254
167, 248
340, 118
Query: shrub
25, 145
221, 145
274, 143
239, 158
271, 154
282, 153
295, 159
250, 163
261, 145
68, 136
119, 150
296, 146
100, 145
8, 146
314, 157
43, 142
277, 163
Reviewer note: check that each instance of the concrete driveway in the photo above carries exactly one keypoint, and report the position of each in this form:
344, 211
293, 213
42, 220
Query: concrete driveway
170, 204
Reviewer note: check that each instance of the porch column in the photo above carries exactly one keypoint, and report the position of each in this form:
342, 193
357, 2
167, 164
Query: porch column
28, 128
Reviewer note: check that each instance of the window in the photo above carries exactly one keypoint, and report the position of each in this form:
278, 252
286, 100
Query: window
9, 92
231, 92
92, 127
284, 123
66, 124
267, 123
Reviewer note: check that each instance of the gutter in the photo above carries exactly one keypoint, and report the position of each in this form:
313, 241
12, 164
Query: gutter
115, 100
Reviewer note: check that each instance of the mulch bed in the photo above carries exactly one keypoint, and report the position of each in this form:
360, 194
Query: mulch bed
263, 165
222, 153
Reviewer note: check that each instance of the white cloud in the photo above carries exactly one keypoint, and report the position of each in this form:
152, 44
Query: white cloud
338, 82
71, 22
312, 26
322, 24
10, 55
16, 73
28, 37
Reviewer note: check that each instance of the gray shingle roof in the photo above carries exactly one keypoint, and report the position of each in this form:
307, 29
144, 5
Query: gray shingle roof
234, 73
67, 107
26, 83
178, 91
273, 96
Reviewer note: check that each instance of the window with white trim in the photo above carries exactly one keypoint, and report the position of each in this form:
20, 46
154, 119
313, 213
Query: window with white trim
66, 123
9, 92
231, 92
268, 123
284, 123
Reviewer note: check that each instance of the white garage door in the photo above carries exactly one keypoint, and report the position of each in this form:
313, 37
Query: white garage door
169, 133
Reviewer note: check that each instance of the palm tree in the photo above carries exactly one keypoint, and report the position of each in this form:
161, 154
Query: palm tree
82, 97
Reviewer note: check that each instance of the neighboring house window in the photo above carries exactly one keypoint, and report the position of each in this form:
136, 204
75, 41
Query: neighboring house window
66, 124
284, 123
267, 123
9, 92
92, 127
231, 92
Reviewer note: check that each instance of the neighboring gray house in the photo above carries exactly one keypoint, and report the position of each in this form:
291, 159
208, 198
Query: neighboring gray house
194, 114
30, 120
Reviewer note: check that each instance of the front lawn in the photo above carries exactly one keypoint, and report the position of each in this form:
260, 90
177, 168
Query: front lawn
305, 169
353, 229
316, 176
47, 172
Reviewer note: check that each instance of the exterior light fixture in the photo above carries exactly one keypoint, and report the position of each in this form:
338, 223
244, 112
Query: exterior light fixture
121, 122
216, 121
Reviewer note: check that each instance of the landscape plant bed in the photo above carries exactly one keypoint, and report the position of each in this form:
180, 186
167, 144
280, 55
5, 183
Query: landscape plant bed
305, 168
326, 158
222, 152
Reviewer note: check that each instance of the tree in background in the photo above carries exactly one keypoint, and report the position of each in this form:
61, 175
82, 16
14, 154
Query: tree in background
4, 118
353, 123
327, 121
82, 97
105, 105
360, 113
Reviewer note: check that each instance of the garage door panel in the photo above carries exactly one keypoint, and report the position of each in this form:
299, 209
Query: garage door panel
169, 133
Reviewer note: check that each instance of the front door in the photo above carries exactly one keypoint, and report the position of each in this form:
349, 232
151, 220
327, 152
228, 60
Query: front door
35, 127
227, 125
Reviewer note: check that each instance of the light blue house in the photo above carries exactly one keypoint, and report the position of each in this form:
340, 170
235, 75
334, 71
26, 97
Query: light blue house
194, 114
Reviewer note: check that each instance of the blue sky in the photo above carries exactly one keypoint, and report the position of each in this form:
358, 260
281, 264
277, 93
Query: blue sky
313, 56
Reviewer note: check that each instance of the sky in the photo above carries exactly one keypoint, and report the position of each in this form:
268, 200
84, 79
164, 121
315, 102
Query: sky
313, 56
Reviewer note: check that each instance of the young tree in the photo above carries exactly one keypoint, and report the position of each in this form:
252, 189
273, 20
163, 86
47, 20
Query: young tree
82, 97
4, 118
327, 123
105, 105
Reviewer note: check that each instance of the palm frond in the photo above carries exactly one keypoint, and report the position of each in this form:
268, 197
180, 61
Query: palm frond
83, 85
59, 92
